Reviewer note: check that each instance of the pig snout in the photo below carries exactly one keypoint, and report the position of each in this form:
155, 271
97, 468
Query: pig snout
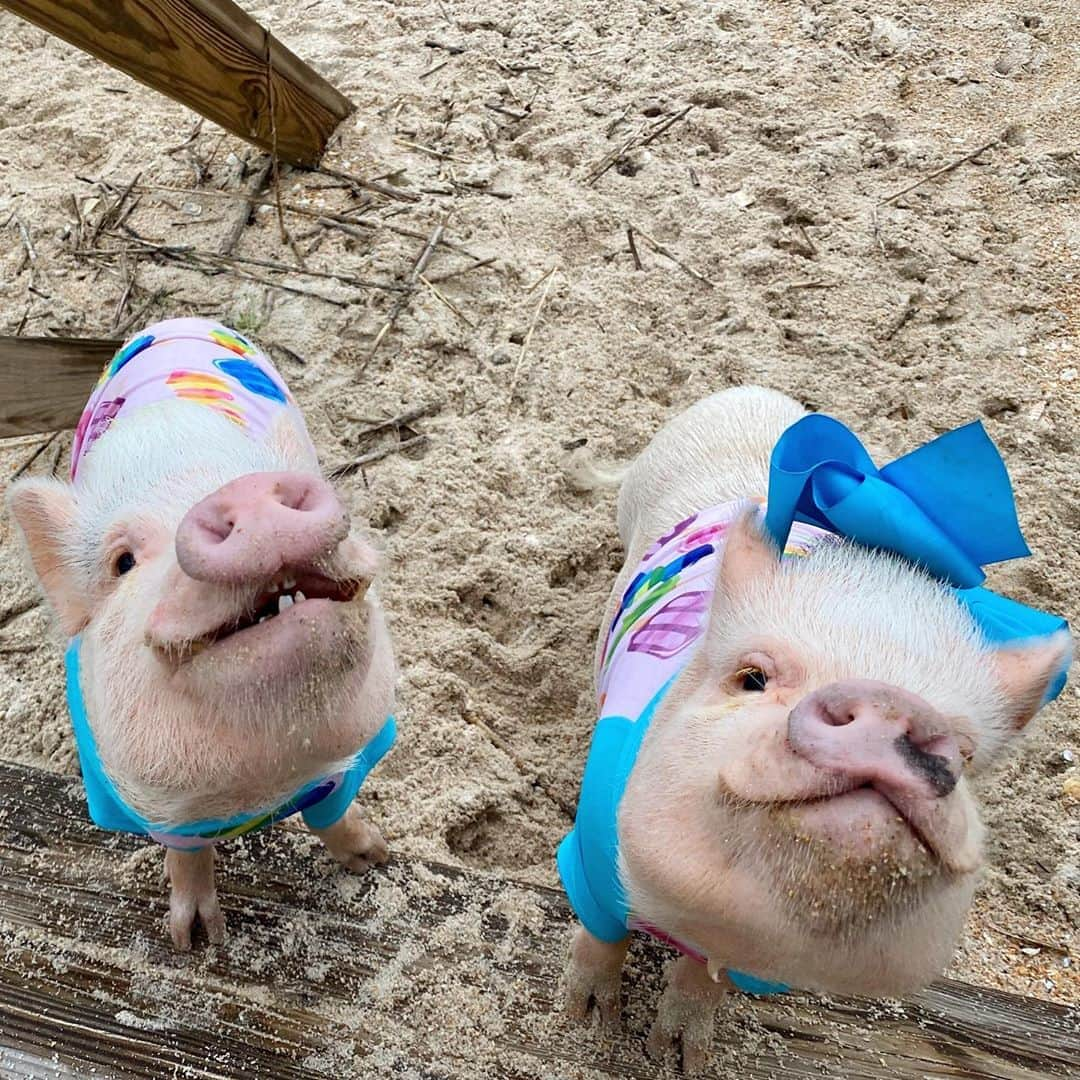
874, 733
258, 524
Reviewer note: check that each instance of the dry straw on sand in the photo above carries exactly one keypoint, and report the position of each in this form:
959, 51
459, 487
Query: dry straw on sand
805, 211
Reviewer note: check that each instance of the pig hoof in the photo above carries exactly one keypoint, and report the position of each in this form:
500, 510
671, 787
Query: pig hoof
363, 848
186, 909
581, 996
684, 1020
593, 978
695, 1045
192, 897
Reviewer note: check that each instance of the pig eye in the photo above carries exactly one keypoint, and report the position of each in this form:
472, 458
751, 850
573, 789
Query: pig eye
753, 679
125, 561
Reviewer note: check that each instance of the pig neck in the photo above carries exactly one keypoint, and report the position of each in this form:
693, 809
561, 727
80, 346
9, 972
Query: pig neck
219, 761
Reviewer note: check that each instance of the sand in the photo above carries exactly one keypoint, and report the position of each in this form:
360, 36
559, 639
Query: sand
786, 264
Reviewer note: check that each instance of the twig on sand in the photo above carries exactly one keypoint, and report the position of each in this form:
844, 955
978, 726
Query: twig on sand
391, 192
447, 303
125, 296
661, 250
434, 67
637, 140
376, 455
28, 244
111, 214
327, 217
194, 253
550, 279
256, 182
418, 267
633, 248
188, 141
438, 279
155, 298
34, 456
395, 423
947, 168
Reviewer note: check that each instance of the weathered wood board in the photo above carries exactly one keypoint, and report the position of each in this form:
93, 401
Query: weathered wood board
44, 382
416, 970
211, 56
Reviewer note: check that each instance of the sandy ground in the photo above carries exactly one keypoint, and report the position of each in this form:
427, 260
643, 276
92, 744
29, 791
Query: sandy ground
786, 266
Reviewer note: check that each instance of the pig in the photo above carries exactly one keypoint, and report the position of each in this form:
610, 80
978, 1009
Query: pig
229, 662
788, 801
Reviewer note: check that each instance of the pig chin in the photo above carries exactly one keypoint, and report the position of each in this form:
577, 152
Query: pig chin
842, 869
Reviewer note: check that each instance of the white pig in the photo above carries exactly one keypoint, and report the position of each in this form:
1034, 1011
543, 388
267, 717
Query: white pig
228, 661
785, 791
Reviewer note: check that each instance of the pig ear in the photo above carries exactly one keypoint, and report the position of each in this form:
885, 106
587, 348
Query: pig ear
749, 555
1025, 672
291, 443
45, 512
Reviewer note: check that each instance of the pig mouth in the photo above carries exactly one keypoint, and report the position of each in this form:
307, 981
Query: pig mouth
873, 805
279, 599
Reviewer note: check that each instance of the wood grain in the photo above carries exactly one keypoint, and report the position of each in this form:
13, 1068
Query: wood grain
45, 382
211, 56
418, 970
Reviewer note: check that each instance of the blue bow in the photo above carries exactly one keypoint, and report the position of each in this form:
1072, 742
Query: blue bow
947, 506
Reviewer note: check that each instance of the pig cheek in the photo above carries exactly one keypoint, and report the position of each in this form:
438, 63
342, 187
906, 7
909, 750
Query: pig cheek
753, 762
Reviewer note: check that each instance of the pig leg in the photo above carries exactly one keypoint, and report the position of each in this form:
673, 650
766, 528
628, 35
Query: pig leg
594, 974
686, 1014
192, 896
355, 843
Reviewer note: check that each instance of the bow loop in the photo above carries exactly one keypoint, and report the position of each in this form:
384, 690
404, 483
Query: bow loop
948, 507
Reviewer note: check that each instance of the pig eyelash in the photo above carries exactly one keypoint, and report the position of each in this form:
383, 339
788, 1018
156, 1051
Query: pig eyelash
754, 676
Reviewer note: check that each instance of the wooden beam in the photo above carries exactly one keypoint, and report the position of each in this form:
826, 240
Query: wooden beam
211, 56
45, 382
416, 969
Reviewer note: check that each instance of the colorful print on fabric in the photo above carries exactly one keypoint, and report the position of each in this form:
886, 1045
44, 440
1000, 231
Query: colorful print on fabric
231, 340
252, 378
296, 805
199, 362
676, 626
647, 590
93, 423
210, 390
130, 350
105, 413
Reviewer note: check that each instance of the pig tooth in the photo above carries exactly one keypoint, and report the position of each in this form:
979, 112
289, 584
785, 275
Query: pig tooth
299, 596
264, 618
715, 970
273, 586
284, 601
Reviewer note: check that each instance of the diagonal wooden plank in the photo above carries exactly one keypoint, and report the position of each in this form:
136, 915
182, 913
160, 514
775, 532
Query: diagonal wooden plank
44, 382
211, 56
419, 970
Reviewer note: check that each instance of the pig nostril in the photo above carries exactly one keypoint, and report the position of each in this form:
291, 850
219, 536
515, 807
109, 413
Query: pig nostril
838, 719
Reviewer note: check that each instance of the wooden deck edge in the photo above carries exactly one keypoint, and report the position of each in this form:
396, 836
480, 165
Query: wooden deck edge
416, 969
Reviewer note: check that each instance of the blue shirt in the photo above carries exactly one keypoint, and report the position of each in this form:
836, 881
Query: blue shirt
322, 802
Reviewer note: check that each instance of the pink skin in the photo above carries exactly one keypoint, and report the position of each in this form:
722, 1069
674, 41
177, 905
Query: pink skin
198, 710
740, 800
821, 832
224, 538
